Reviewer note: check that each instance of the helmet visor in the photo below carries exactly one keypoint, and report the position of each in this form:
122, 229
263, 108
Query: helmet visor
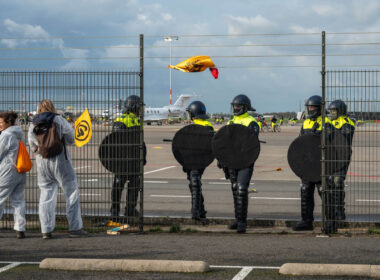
237, 109
313, 111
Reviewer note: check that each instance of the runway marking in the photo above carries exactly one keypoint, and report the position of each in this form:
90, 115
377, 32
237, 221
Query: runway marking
275, 198
9, 266
243, 273
245, 270
159, 169
362, 175
368, 200
82, 167
90, 180
170, 196
83, 194
156, 182
219, 183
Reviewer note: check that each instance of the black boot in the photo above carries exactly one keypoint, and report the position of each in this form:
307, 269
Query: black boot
234, 193
307, 207
203, 212
241, 207
303, 225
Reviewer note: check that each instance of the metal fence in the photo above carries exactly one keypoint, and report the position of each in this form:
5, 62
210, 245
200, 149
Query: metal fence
103, 93
356, 189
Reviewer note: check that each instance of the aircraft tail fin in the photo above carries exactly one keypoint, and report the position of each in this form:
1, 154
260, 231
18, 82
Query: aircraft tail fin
182, 100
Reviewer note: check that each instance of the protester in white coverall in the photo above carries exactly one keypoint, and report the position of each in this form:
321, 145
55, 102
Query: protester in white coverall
12, 183
54, 171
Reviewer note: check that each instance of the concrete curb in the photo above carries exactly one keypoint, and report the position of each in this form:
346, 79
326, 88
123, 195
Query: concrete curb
125, 265
330, 269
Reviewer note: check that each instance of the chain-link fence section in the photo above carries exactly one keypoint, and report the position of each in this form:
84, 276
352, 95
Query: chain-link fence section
352, 180
104, 94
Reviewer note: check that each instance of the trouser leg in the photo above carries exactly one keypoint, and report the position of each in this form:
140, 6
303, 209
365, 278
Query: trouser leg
73, 211
18, 203
340, 197
233, 178
117, 188
330, 206
234, 188
307, 207
243, 179
132, 195
48, 202
196, 193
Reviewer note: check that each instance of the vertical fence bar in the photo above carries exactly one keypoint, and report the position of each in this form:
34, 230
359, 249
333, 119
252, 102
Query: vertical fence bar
141, 142
323, 144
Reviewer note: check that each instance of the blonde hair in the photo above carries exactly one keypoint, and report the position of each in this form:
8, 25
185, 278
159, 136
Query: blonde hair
46, 105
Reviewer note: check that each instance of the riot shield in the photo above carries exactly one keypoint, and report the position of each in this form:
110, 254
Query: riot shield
191, 147
235, 146
305, 155
119, 151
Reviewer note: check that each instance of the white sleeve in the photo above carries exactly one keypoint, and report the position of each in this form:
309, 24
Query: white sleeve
67, 131
32, 138
4, 147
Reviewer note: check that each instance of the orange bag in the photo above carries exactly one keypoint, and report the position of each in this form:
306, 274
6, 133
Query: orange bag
23, 163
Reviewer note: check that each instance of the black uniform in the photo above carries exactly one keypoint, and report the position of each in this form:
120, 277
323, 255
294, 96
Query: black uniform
128, 120
312, 125
241, 178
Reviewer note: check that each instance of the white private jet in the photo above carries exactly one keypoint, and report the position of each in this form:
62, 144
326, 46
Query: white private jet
161, 114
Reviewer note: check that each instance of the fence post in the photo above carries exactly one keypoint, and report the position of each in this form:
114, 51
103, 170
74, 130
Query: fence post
141, 187
323, 142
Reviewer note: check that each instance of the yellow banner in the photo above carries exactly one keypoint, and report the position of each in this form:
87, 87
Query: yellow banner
83, 129
194, 64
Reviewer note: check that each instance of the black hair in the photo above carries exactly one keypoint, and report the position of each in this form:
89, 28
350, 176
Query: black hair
9, 117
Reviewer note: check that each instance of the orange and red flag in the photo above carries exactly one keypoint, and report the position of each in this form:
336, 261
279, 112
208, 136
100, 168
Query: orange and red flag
197, 63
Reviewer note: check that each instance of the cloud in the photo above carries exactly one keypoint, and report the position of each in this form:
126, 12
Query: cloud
27, 31
241, 24
328, 10
301, 29
365, 11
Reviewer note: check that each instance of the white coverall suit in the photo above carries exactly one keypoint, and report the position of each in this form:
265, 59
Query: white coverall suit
55, 171
12, 183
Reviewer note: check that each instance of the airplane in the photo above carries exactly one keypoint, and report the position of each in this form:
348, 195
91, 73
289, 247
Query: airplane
161, 114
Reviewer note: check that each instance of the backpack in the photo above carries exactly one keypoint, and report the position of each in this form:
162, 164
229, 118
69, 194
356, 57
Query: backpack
23, 162
49, 143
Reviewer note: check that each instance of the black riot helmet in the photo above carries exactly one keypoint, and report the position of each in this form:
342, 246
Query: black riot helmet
339, 107
197, 110
131, 105
241, 104
313, 101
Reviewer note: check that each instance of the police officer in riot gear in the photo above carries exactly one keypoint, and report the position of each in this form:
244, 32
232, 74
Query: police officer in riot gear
197, 113
345, 126
128, 119
240, 178
312, 125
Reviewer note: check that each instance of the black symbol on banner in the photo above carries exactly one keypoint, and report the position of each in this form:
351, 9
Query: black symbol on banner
82, 131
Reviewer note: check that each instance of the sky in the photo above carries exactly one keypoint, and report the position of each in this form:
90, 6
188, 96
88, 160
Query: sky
269, 50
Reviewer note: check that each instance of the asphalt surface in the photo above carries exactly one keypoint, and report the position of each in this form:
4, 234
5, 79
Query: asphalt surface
218, 247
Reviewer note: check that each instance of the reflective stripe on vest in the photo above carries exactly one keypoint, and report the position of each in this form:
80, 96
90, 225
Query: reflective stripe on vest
128, 119
339, 122
244, 119
309, 124
202, 122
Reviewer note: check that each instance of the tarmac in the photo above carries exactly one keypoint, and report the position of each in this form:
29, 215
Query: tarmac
268, 243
